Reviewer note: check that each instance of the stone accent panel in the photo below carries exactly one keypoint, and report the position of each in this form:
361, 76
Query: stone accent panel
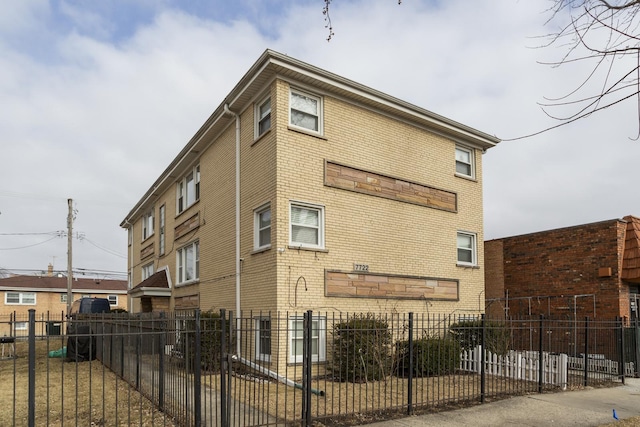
147, 251
370, 285
373, 184
188, 225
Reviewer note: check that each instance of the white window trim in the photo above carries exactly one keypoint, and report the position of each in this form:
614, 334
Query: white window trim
322, 340
181, 186
162, 219
258, 119
20, 326
63, 298
145, 269
320, 209
21, 298
263, 357
149, 216
474, 249
256, 226
115, 297
196, 262
472, 159
319, 99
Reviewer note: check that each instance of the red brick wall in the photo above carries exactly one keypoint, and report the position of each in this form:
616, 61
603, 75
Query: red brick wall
555, 272
494, 279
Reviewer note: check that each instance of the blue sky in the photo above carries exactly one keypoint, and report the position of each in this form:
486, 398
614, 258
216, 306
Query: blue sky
99, 96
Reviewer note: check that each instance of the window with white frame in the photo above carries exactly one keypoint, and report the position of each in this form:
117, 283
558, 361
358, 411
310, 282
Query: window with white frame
465, 162
262, 227
263, 339
263, 116
305, 111
21, 326
161, 225
147, 225
63, 298
147, 271
306, 225
188, 263
466, 248
188, 191
318, 339
20, 298
113, 299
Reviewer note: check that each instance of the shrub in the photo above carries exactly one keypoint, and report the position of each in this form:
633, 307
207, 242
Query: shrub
469, 334
210, 341
432, 356
361, 349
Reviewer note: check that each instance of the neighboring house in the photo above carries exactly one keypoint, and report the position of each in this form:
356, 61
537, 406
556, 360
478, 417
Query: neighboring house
307, 191
590, 270
47, 294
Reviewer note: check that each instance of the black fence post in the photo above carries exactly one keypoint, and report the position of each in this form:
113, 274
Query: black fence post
540, 355
483, 351
410, 383
623, 361
32, 367
585, 380
162, 338
637, 347
306, 367
197, 403
223, 368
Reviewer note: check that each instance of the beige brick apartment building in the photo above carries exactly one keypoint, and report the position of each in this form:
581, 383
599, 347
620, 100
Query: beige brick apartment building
307, 191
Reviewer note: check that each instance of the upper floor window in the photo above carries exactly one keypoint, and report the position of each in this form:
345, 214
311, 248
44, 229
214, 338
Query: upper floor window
161, 225
263, 117
147, 271
305, 111
262, 227
467, 248
147, 225
189, 189
465, 162
306, 225
188, 263
20, 298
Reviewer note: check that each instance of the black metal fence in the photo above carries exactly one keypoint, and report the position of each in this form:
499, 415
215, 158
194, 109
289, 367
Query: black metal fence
201, 368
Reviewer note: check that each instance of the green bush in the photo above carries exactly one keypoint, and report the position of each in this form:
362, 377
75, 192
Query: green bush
432, 356
210, 341
469, 335
361, 349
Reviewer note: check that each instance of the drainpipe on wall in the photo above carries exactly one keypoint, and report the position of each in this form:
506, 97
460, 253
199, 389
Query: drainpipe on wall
237, 117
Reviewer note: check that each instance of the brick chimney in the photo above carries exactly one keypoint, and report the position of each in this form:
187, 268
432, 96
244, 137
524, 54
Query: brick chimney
50, 270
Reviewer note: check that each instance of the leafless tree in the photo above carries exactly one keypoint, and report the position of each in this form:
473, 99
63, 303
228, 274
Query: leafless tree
605, 35
327, 18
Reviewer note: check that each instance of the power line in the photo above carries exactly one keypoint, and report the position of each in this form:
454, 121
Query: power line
28, 246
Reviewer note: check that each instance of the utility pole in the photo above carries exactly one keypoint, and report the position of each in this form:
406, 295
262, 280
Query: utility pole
69, 254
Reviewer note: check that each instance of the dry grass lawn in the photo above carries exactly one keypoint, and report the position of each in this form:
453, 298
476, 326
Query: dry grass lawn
69, 393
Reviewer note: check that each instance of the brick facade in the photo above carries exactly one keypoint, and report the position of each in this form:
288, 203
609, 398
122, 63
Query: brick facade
568, 273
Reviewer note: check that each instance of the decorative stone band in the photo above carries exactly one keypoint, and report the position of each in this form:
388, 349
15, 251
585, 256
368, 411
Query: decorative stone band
374, 184
374, 285
186, 226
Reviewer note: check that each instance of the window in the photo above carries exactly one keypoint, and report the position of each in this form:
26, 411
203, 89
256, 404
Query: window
263, 339
466, 248
318, 339
63, 298
113, 299
147, 225
307, 226
147, 271
188, 260
21, 326
20, 298
262, 227
263, 117
305, 111
464, 162
161, 214
189, 189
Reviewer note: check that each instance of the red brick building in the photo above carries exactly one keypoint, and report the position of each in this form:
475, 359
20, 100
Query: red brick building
590, 270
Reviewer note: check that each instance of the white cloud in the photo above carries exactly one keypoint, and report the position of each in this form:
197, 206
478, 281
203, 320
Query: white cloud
104, 119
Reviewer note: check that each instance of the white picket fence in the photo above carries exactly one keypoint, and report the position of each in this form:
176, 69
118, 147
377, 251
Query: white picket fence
520, 365
601, 365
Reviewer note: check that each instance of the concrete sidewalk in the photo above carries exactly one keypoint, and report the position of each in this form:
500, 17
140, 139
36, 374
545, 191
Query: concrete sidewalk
591, 407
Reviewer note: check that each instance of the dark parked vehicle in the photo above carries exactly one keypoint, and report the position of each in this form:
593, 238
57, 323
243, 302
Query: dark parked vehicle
89, 306
81, 344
